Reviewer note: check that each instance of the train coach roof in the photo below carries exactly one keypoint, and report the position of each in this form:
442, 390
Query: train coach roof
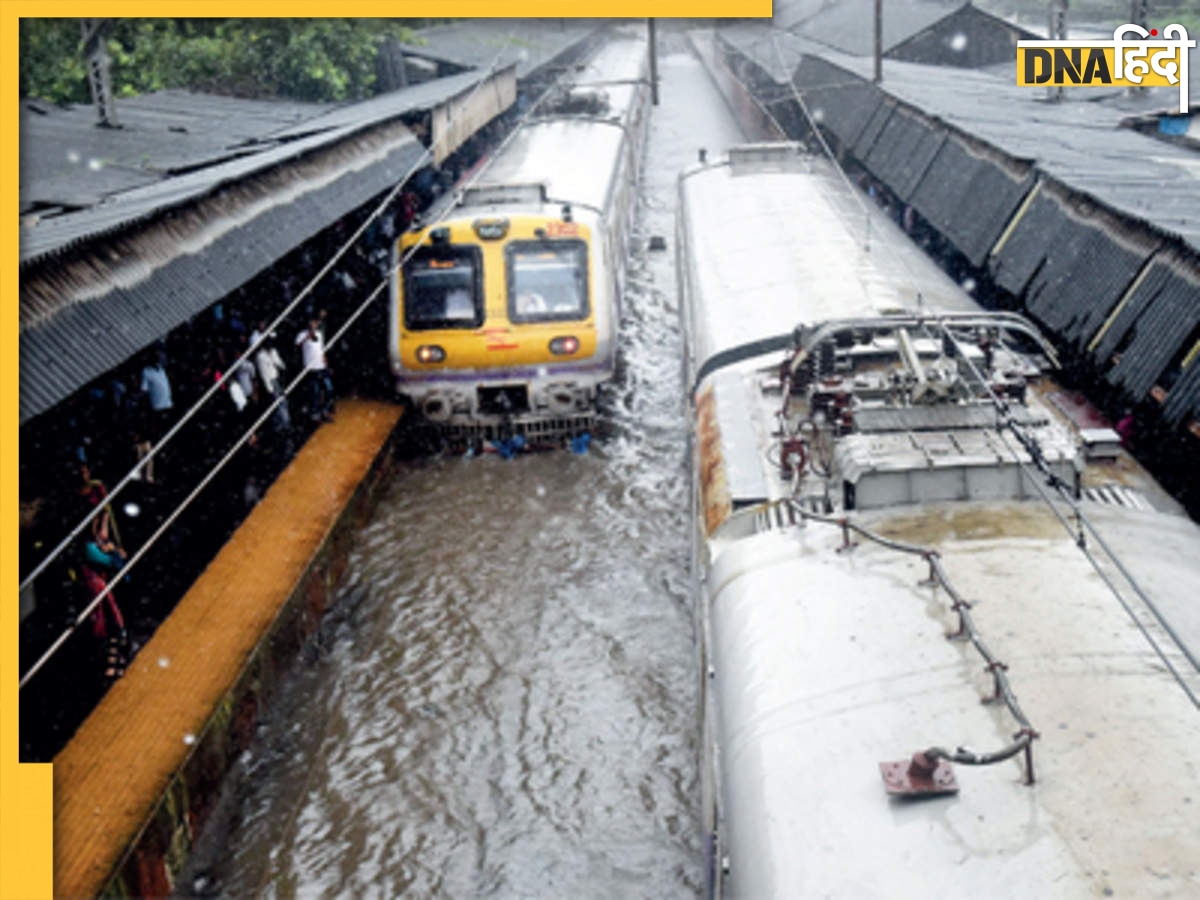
830, 663
765, 256
563, 154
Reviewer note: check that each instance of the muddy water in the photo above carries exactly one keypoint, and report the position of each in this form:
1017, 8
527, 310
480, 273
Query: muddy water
503, 701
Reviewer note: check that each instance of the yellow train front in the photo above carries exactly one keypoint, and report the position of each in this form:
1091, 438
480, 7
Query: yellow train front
500, 329
505, 312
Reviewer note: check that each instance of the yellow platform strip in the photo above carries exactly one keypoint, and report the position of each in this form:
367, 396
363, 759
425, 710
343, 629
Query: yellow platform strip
110, 777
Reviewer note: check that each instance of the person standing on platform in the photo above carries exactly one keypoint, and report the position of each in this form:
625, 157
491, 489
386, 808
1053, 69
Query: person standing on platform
270, 369
312, 348
157, 388
104, 548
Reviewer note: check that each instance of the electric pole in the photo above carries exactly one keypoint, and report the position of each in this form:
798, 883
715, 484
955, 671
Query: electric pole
98, 70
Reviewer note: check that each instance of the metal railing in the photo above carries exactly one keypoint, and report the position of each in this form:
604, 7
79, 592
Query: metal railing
135, 473
1002, 689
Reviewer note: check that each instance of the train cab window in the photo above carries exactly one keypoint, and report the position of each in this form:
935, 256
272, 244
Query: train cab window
547, 280
442, 289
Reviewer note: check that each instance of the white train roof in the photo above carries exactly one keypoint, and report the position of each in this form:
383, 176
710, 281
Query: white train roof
779, 245
573, 159
829, 663
575, 155
616, 70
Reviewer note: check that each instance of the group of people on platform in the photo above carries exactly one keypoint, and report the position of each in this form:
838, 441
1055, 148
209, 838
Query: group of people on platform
149, 417
118, 425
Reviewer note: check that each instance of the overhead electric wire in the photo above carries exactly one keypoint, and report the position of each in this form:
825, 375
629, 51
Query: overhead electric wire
134, 473
1008, 422
815, 128
1012, 425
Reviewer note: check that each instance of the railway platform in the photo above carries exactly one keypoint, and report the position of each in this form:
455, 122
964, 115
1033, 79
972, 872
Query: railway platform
135, 783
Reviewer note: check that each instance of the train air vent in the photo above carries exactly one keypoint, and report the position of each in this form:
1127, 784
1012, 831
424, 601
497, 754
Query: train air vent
756, 158
1117, 495
502, 194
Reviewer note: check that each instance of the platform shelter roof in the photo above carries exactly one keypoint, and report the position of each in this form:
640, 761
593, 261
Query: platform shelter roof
128, 232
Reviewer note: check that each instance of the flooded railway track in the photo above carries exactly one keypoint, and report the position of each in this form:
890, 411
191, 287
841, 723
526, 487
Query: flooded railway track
502, 702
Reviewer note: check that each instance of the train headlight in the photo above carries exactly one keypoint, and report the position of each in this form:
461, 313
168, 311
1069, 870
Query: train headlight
564, 346
430, 353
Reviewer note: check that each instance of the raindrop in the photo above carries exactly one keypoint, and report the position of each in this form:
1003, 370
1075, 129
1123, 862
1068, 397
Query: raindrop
968, 285
958, 43
818, 115
163, 662
189, 739
95, 165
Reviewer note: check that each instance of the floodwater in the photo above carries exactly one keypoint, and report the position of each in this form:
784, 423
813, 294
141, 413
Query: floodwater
503, 700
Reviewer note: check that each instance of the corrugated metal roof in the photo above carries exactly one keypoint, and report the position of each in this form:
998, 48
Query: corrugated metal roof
159, 190
1079, 141
847, 24
67, 157
530, 44
392, 105
1014, 264
136, 288
901, 155
1073, 306
1183, 401
873, 126
1088, 268
848, 111
996, 189
1157, 336
1152, 325
968, 37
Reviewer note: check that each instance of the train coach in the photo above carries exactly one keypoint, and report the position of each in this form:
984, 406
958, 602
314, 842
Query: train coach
505, 310
946, 636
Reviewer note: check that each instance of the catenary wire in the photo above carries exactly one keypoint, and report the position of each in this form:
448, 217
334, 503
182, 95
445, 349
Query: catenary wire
233, 368
218, 384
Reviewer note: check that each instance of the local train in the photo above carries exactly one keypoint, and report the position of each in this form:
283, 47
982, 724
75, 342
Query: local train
947, 638
504, 311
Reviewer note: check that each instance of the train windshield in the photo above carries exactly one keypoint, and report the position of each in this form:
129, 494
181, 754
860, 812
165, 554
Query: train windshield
441, 289
547, 280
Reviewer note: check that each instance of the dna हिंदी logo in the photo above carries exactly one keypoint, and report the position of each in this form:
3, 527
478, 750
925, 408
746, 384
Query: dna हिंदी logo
1145, 60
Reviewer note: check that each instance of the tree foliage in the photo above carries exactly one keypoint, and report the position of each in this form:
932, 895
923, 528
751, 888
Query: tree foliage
301, 59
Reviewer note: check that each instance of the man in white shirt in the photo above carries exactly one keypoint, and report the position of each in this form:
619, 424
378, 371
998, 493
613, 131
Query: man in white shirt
312, 348
270, 370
